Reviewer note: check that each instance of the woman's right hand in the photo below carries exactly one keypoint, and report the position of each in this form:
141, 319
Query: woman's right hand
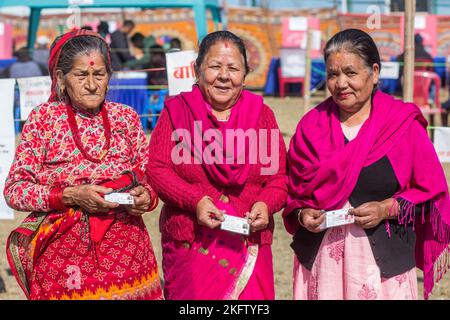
311, 219
207, 213
88, 197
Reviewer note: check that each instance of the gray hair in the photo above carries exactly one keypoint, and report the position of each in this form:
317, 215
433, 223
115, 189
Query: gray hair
79, 46
354, 41
75, 48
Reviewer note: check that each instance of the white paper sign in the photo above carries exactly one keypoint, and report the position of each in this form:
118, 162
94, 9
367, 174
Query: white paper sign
293, 62
298, 23
180, 71
2, 28
420, 22
7, 140
80, 2
33, 91
389, 70
315, 42
131, 75
442, 143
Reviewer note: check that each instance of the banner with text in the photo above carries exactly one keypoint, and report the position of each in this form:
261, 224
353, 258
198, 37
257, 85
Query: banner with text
442, 143
7, 141
180, 71
33, 91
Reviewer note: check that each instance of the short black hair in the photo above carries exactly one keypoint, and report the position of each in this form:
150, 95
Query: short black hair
354, 41
137, 40
215, 37
129, 23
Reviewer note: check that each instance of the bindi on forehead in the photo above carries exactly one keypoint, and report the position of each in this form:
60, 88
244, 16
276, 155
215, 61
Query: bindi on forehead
92, 59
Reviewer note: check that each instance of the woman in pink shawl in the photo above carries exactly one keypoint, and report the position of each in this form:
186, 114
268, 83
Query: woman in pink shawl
217, 152
364, 151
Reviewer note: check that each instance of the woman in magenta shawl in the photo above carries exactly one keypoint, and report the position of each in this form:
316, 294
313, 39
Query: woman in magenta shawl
363, 150
203, 164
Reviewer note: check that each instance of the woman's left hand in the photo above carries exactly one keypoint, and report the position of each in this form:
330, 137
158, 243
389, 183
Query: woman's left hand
369, 214
141, 199
258, 216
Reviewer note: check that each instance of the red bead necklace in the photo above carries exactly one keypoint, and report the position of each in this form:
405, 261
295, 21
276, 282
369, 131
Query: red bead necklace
76, 133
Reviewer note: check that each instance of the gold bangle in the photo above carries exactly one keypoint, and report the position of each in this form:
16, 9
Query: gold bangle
299, 217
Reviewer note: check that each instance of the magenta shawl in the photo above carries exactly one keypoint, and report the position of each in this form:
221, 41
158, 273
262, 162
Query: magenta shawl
189, 107
323, 171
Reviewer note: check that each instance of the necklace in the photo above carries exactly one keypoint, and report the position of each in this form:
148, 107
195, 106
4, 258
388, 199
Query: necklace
76, 133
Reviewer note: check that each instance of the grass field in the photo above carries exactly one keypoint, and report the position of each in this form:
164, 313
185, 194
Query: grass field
288, 112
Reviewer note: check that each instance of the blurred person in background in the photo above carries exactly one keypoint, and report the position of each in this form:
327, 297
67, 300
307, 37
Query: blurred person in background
24, 66
103, 30
120, 51
42, 52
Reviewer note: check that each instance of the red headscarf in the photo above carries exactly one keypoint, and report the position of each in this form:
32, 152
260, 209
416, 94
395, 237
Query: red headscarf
323, 171
56, 50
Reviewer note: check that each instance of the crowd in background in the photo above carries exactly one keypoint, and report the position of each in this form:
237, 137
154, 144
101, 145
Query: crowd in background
129, 51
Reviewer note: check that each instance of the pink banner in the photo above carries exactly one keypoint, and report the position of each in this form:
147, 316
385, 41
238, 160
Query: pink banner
5, 41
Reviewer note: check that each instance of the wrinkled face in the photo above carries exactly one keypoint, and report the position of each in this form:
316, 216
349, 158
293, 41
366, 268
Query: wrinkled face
87, 81
350, 81
222, 75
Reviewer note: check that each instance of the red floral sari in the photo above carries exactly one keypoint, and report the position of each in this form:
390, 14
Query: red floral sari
65, 253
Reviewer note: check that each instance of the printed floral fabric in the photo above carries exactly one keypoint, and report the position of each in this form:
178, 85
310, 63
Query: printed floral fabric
345, 268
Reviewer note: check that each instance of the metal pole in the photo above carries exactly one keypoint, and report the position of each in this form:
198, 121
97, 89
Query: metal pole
33, 26
344, 7
408, 67
200, 19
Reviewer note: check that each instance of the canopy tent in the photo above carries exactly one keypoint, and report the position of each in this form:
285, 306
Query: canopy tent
199, 7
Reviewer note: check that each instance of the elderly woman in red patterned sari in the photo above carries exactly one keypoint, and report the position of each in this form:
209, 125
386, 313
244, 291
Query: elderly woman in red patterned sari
74, 149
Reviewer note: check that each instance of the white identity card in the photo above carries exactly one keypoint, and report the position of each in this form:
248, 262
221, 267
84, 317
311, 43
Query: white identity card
337, 218
235, 224
120, 198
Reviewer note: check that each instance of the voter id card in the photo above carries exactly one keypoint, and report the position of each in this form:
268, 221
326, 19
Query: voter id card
336, 218
120, 198
235, 224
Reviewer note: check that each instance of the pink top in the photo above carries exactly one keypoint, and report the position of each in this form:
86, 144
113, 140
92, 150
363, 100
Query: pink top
182, 186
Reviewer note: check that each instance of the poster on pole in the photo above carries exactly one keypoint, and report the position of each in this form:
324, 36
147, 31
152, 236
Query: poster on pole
33, 91
7, 141
442, 143
180, 71
293, 62
390, 70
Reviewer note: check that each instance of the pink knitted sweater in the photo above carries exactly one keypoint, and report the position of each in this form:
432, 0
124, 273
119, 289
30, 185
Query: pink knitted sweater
182, 186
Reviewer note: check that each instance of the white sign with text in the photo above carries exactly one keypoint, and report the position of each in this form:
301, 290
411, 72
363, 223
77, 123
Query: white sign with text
390, 70
7, 141
180, 71
442, 143
33, 91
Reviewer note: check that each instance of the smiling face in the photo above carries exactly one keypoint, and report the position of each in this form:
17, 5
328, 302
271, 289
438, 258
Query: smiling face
221, 75
350, 81
86, 82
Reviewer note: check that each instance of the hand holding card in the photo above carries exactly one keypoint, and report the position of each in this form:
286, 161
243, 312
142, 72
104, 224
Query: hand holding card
120, 198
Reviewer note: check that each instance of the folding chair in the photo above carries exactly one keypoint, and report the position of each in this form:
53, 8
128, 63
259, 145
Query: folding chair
283, 81
422, 86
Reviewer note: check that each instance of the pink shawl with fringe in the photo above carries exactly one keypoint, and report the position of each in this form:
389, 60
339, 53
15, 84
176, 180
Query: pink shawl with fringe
189, 109
323, 171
